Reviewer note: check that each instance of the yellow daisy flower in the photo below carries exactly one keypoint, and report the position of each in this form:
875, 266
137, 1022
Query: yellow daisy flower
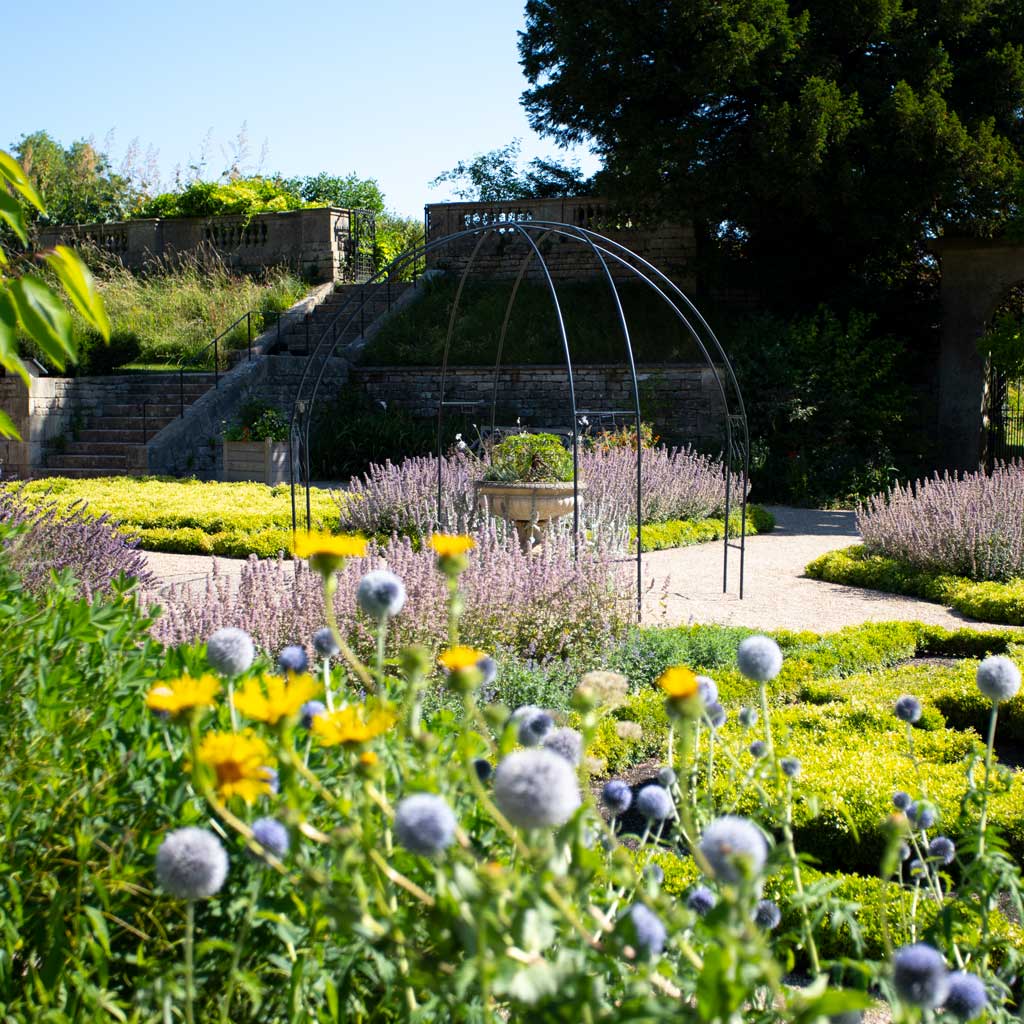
352, 725
182, 694
459, 659
448, 545
271, 698
327, 551
240, 761
678, 682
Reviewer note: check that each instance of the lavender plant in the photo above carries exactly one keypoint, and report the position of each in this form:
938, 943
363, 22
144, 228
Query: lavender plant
966, 525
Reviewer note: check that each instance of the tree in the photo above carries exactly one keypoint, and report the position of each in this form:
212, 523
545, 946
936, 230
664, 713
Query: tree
823, 142
76, 184
348, 191
497, 177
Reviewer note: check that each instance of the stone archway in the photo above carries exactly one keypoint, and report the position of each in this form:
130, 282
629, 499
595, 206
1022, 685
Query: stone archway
977, 274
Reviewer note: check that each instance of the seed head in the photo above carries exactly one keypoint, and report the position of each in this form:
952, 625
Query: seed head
998, 678
191, 864
759, 658
230, 651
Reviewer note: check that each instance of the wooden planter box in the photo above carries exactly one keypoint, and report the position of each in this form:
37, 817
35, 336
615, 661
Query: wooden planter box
264, 462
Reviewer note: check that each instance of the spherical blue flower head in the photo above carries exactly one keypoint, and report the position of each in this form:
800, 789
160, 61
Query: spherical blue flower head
483, 768
759, 658
908, 709
293, 659
790, 767
270, 774
324, 643
654, 803
655, 872
758, 749
701, 900
943, 849
733, 846
916, 868
920, 976
565, 742
708, 689
666, 776
900, 800
532, 725
380, 594
716, 715
748, 717
617, 796
998, 678
424, 823
271, 835
191, 864
905, 851
309, 711
922, 814
488, 670
646, 930
767, 915
536, 789
230, 651
967, 996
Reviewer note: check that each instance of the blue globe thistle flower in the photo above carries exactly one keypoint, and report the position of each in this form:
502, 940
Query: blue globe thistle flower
666, 776
293, 659
967, 996
998, 678
646, 930
900, 800
748, 717
701, 900
654, 803
424, 823
488, 670
191, 864
483, 768
920, 976
271, 835
324, 643
908, 709
759, 658
309, 711
536, 789
230, 651
381, 594
943, 849
707, 688
905, 851
532, 725
655, 872
767, 915
271, 776
790, 767
916, 868
565, 742
758, 749
922, 814
617, 796
733, 847
716, 715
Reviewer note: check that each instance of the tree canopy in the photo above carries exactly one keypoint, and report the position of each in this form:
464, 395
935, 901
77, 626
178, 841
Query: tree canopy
823, 141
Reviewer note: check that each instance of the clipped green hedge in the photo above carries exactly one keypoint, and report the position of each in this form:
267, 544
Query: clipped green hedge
987, 601
680, 533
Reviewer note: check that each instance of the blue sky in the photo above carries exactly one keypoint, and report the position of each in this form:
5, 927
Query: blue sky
398, 91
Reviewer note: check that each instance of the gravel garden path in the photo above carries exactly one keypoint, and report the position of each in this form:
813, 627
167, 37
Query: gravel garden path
684, 585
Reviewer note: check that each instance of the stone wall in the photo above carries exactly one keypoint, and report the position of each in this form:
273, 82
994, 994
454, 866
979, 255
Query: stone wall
669, 247
316, 242
682, 400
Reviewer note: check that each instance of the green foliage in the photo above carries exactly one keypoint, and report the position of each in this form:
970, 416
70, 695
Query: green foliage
530, 458
257, 421
395, 236
1004, 342
244, 196
348, 191
986, 602
784, 128
678, 533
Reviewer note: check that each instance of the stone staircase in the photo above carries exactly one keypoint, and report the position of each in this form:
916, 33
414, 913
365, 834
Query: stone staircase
302, 336
110, 439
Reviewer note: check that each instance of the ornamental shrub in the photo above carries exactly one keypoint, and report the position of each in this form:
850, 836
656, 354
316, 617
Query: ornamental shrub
530, 458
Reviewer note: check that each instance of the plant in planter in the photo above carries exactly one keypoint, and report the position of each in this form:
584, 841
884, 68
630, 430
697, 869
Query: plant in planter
256, 446
530, 483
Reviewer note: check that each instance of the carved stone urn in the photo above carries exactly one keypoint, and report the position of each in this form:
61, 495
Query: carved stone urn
530, 507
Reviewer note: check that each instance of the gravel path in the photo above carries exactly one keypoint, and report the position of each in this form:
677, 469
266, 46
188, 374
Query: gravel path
685, 584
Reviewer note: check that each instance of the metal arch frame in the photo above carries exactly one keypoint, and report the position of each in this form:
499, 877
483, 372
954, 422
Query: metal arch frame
737, 447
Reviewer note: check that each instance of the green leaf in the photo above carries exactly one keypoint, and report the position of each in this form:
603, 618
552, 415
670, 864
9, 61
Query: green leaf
7, 427
44, 317
11, 214
78, 283
15, 175
9, 358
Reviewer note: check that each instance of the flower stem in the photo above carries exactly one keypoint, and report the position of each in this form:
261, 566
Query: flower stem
190, 932
983, 822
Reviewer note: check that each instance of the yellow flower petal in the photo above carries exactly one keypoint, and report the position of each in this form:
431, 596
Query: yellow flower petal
176, 695
239, 762
448, 545
311, 545
458, 659
352, 725
678, 682
271, 698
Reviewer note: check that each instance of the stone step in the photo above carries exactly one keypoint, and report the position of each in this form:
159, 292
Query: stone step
93, 435
79, 473
89, 461
154, 410
102, 448
153, 423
